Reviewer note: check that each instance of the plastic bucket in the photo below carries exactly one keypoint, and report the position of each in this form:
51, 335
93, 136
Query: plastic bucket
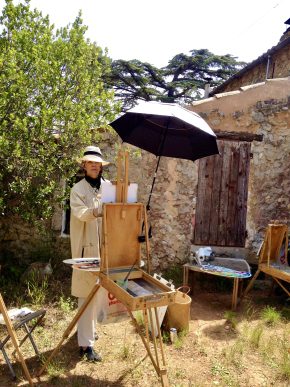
178, 313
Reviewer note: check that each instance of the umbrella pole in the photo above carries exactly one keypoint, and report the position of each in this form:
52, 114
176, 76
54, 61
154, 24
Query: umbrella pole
153, 182
161, 146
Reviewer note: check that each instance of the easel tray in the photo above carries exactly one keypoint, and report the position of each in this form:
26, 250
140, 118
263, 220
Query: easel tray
141, 290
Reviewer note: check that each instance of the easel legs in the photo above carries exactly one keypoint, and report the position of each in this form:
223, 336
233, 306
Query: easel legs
161, 370
283, 287
14, 339
250, 285
71, 326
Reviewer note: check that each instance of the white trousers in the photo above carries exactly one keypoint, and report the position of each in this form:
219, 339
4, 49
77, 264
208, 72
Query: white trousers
87, 324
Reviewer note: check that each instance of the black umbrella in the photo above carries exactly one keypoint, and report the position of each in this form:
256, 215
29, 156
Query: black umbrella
166, 129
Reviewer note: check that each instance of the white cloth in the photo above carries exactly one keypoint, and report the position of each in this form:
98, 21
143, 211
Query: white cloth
87, 324
85, 230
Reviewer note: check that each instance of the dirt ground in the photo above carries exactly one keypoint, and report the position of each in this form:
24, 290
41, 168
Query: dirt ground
215, 352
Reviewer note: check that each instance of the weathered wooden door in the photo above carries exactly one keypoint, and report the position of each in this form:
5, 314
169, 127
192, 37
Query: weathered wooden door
221, 207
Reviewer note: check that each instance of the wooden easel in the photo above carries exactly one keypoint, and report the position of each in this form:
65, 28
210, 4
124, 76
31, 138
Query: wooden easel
14, 339
157, 356
117, 245
120, 246
122, 185
275, 243
122, 177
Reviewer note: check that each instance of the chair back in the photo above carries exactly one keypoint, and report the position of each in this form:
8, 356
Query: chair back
275, 245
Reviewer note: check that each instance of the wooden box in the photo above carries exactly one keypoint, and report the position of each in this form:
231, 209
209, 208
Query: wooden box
121, 258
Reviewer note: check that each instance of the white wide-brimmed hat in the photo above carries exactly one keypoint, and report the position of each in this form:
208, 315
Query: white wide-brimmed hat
93, 153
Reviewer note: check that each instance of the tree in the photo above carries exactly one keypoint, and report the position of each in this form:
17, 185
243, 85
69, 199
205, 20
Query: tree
182, 80
52, 97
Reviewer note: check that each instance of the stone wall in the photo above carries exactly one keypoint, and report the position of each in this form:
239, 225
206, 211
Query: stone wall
260, 109
172, 205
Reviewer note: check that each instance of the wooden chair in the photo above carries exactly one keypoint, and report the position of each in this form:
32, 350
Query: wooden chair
273, 256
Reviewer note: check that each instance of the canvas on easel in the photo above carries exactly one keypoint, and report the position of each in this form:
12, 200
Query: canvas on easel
273, 256
120, 190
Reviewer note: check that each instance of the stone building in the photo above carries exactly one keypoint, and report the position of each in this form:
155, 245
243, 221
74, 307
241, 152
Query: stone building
250, 115
275, 63
192, 207
255, 118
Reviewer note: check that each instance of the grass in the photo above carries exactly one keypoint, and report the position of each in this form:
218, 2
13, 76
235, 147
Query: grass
218, 369
66, 304
37, 291
270, 316
179, 374
260, 347
178, 343
234, 353
180, 339
166, 337
271, 347
55, 369
285, 313
255, 336
250, 311
284, 368
139, 318
231, 318
125, 351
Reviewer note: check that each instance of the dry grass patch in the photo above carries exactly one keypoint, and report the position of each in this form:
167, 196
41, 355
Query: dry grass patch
250, 347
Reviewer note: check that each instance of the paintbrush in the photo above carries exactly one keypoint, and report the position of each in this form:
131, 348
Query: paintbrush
123, 283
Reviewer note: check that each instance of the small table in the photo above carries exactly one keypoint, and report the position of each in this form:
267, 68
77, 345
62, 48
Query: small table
234, 268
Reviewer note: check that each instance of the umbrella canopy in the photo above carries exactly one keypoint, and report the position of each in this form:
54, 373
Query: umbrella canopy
167, 130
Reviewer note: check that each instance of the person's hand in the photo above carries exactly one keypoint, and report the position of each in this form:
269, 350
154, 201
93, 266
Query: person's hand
96, 213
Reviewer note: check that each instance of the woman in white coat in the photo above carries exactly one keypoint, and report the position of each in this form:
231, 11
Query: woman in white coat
85, 230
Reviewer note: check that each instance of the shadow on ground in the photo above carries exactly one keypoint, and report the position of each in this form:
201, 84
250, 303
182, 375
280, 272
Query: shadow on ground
58, 372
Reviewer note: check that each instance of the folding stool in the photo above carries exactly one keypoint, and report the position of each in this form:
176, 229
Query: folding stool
28, 325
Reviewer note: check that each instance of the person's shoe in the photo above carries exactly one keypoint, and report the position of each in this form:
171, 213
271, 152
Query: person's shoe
96, 336
90, 354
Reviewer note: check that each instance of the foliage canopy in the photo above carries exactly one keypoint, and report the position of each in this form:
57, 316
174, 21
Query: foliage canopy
56, 87
52, 96
183, 80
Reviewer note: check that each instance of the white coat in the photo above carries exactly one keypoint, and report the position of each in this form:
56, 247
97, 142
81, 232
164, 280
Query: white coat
85, 232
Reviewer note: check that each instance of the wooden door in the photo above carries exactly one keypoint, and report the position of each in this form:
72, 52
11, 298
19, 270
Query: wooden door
221, 209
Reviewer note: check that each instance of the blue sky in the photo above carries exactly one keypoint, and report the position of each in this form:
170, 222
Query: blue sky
156, 30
